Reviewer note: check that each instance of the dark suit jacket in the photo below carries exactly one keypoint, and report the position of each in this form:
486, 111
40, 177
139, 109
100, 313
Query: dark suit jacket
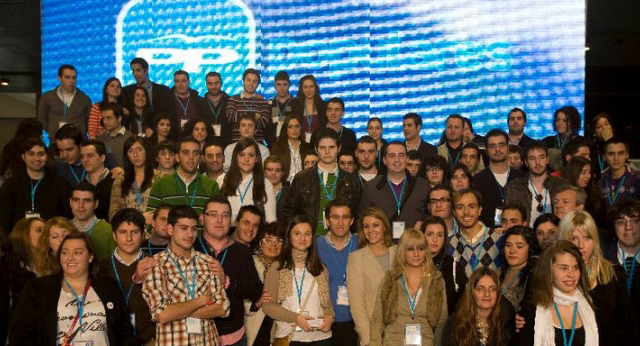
485, 183
161, 101
524, 141
36, 319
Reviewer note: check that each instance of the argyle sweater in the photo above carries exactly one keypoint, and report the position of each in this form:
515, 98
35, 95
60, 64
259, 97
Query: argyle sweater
487, 251
170, 190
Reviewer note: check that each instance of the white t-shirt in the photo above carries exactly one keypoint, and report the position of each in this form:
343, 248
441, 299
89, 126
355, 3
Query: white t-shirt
501, 178
546, 201
94, 318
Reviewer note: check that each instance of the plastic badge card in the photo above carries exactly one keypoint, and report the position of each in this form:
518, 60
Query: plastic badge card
412, 335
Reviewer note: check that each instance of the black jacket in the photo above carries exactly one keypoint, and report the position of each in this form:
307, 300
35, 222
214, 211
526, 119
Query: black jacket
347, 139
524, 141
36, 319
215, 115
304, 195
485, 183
297, 110
518, 192
426, 149
161, 102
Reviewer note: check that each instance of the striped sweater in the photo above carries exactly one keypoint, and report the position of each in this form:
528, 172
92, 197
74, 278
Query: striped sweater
237, 107
170, 190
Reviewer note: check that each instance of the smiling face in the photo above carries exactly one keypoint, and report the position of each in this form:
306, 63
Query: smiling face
250, 83
139, 98
396, 158
247, 227
271, 246
467, 210
435, 234
628, 230
516, 250
139, 73
214, 158
301, 236
334, 113
35, 158
128, 238
75, 258
199, 131
340, 219
189, 157
373, 230
565, 273
308, 89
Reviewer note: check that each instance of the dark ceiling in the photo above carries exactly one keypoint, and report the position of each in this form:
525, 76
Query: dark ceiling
612, 73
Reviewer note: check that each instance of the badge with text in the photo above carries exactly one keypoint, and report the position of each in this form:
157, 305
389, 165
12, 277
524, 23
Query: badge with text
217, 128
343, 297
194, 326
398, 229
497, 220
31, 213
412, 335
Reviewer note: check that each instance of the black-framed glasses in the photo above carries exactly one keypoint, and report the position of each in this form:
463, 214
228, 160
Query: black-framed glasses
540, 207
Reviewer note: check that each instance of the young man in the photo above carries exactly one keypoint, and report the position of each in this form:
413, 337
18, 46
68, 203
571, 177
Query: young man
367, 155
66, 104
166, 156
347, 162
248, 103
334, 249
534, 191
451, 149
440, 201
183, 293
313, 188
280, 107
274, 171
335, 113
36, 192
159, 238
476, 244
402, 197
92, 155
247, 129
492, 181
214, 161
128, 226
411, 127
618, 180
214, 106
83, 205
517, 120
115, 134
569, 198
241, 279
186, 185
515, 157
469, 136
187, 101
69, 166
470, 156
310, 159
414, 162
248, 224
578, 146
513, 215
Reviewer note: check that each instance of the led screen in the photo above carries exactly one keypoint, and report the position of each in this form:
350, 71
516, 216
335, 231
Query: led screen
385, 58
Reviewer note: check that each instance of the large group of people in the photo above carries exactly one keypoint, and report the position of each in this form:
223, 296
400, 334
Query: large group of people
160, 217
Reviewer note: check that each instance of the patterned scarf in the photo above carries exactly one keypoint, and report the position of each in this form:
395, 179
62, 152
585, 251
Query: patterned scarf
285, 284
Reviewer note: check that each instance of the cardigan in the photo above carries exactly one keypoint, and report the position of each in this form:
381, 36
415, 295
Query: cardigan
492, 198
51, 111
35, 321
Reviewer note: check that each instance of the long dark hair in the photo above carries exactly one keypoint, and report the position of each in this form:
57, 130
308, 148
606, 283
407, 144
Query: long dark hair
129, 170
154, 137
191, 124
105, 97
534, 250
283, 139
317, 100
147, 113
233, 177
572, 171
314, 265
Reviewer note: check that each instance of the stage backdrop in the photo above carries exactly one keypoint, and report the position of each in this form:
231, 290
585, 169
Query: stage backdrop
385, 58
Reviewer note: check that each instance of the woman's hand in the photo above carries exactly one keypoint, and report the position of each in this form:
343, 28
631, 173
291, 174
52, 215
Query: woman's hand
301, 321
519, 323
266, 297
326, 324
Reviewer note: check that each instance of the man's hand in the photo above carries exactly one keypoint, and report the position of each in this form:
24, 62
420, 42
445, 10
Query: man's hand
116, 172
217, 270
144, 268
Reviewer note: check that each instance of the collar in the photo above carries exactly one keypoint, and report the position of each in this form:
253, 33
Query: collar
230, 241
607, 171
406, 144
323, 172
192, 253
184, 180
139, 256
328, 240
477, 237
119, 133
89, 224
627, 254
104, 174
245, 96
517, 141
61, 94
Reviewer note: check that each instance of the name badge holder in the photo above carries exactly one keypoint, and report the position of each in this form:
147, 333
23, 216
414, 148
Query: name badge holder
398, 229
31, 213
217, 129
84, 342
61, 124
194, 326
182, 122
497, 219
412, 335
307, 137
278, 128
343, 297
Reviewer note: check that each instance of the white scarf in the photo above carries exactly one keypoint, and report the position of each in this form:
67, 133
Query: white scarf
544, 333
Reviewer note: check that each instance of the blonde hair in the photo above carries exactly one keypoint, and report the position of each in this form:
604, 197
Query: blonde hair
378, 214
44, 259
20, 238
599, 269
412, 237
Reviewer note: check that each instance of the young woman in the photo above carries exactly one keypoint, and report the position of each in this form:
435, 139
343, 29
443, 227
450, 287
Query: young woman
269, 246
479, 319
131, 189
24, 240
546, 229
518, 259
111, 92
83, 308
366, 268
290, 147
299, 285
412, 297
566, 123
140, 115
308, 107
578, 172
55, 229
601, 132
606, 282
198, 129
375, 130
461, 177
245, 184
560, 312
161, 130
436, 170
11, 162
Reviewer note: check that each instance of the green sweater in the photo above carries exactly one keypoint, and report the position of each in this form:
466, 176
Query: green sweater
170, 190
102, 239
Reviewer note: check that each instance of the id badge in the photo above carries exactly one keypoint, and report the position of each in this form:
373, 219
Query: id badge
61, 124
287, 109
82, 341
412, 335
31, 213
182, 122
307, 137
316, 323
132, 319
194, 326
274, 114
343, 297
497, 220
303, 313
278, 129
398, 229
217, 129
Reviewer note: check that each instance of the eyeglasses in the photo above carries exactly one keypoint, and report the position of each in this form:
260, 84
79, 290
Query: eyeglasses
540, 207
434, 169
439, 200
344, 217
272, 241
633, 222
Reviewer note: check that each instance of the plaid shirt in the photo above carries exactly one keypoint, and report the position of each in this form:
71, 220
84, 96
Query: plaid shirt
164, 286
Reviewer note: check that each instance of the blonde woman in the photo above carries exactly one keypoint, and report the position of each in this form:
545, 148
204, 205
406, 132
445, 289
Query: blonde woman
411, 307
366, 268
54, 231
606, 281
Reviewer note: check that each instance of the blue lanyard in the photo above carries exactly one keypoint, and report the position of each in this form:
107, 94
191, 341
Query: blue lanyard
546, 194
115, 272
329, 193
573, 323
136, 189
215, 115
380, 157
333, 252
184, 107
301, 286
33, 193
186, 193
64, 106
564, 142
248, 107
192, 289
93, 227
78, 301
453, 163
633, 269
474, 264
504, 290
615, 196
308, 117
206, 250
280, 111
398, 199
503, 189
279, 195
412, 301
243, 195
601, 162
78, 180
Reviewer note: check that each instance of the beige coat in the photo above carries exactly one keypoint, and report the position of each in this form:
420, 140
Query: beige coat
364, 275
